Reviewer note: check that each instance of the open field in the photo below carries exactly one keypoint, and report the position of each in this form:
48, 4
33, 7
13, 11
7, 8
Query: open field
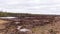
36, 24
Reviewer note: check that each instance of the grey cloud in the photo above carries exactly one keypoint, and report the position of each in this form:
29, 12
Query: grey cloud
31, 6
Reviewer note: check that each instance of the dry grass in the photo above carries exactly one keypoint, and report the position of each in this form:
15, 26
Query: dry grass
4, 21
48, 29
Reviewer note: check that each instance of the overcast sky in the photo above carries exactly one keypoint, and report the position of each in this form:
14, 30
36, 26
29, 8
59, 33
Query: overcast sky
31, 6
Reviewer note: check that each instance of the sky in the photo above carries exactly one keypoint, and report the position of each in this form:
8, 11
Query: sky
31, 6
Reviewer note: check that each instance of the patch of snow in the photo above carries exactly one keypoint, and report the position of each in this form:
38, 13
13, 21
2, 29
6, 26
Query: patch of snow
24, 30
7, 17
17, 22
19, 27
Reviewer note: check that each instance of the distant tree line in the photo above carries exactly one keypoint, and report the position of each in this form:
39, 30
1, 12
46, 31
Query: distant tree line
6, 14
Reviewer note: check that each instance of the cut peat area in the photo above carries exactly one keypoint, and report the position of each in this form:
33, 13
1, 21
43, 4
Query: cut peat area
30, 24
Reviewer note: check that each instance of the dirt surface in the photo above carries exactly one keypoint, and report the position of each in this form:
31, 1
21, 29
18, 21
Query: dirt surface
37, 25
